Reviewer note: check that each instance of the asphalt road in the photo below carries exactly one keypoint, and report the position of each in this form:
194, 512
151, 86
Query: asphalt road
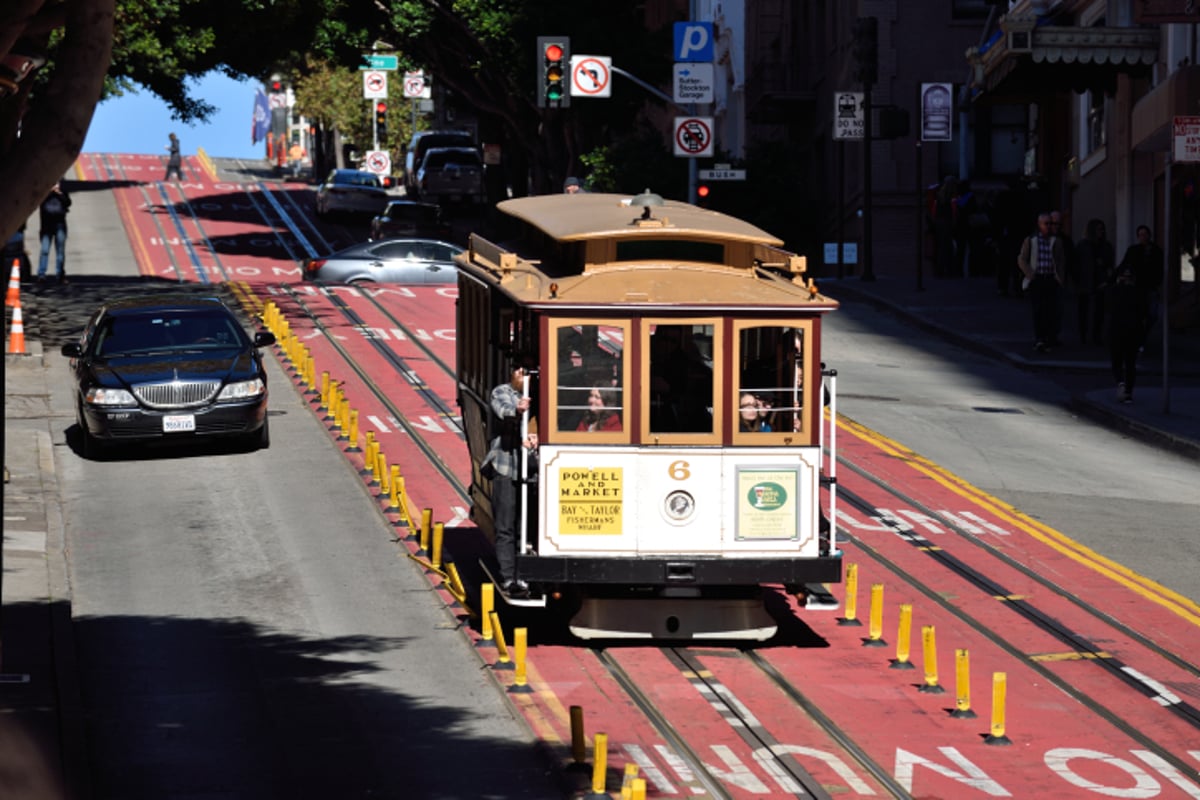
245, 624
1009, 432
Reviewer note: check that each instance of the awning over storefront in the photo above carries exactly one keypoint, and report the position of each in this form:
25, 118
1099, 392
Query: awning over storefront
1153, 115
1029, 56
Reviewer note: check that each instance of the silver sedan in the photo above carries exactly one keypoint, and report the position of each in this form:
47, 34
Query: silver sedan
387, 261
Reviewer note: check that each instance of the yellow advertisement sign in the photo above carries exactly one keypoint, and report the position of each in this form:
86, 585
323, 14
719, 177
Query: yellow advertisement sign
590, 501
766, 504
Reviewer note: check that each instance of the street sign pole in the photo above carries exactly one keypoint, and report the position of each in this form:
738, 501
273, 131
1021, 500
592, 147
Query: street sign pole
868, 270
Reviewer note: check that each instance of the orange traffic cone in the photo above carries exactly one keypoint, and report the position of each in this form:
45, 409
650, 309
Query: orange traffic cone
13, 298
16, 342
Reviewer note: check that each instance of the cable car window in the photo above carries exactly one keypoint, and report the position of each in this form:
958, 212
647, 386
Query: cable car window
591, 384
681, 379
770, 390
660, 250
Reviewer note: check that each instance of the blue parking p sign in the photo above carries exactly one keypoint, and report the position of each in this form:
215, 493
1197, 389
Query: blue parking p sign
694, 41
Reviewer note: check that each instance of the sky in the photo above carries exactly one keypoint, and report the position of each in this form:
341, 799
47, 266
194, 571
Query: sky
139, 123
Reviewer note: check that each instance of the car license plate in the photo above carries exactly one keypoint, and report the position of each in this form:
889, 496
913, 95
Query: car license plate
179, 423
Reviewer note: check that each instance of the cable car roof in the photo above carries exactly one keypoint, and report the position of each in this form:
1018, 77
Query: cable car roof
583, 216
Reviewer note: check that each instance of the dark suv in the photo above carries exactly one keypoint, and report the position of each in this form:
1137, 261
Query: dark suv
423, 141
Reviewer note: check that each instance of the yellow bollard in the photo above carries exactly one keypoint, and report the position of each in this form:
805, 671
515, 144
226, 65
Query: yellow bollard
851, 602
324, 406
335, 408
599, 763
627, 780
999, 693
904, 639
310, 373
503, 659
520, 683
578, 741
639, 789
436, 554
368, 455
455, 585
931, 668
962, 685
875, 627
352, 437
343, 414
487, 602
405, 517
372, 463
426, 526
385, 486
338, 400
394, 487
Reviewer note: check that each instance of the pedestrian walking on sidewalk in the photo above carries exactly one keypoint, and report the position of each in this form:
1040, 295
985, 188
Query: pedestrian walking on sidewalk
1094, 260
1043, 262
53, 217
1127, 307
1146, 258
174, 159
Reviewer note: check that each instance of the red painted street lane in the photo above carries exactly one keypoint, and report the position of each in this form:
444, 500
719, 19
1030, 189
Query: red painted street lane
1078, 576
1077, 728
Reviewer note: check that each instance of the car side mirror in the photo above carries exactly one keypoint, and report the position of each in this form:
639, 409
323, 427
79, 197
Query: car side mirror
263, 338
72, 350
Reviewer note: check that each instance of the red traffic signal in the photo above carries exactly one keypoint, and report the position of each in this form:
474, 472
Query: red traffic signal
702, 191
554, 57
381, 107
276, 86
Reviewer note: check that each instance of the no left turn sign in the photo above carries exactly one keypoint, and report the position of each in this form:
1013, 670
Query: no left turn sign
591, 76
693, 137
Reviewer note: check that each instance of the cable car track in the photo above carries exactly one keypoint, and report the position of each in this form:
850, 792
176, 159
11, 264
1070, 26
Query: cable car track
922, 543
1031, 613
426, 449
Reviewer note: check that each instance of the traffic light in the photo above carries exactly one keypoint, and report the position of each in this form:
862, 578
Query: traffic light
554, 59
702, 193
276, 86
381, 120
866, 50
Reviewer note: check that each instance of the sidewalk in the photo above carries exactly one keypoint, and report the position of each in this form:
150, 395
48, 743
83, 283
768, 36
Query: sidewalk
41, 740
971, 313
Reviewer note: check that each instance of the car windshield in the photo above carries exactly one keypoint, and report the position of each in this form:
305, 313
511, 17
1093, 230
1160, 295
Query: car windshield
357, 179
166, 331
439, 160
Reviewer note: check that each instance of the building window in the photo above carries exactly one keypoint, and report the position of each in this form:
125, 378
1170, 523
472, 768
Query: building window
1095, 136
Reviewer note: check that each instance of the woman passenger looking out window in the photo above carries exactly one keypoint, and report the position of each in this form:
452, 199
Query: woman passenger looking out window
603, 413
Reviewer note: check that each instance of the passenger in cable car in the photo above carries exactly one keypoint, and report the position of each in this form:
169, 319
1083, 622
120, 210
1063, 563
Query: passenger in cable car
752, 416
603, 412
504, 465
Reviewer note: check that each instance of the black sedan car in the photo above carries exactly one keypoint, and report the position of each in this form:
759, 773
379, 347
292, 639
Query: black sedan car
410, 218
168, 367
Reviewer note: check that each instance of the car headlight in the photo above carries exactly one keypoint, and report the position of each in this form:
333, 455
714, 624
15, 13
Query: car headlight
243, 390
102, 396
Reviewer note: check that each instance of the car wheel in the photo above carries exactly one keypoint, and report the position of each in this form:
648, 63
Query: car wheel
263, 437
